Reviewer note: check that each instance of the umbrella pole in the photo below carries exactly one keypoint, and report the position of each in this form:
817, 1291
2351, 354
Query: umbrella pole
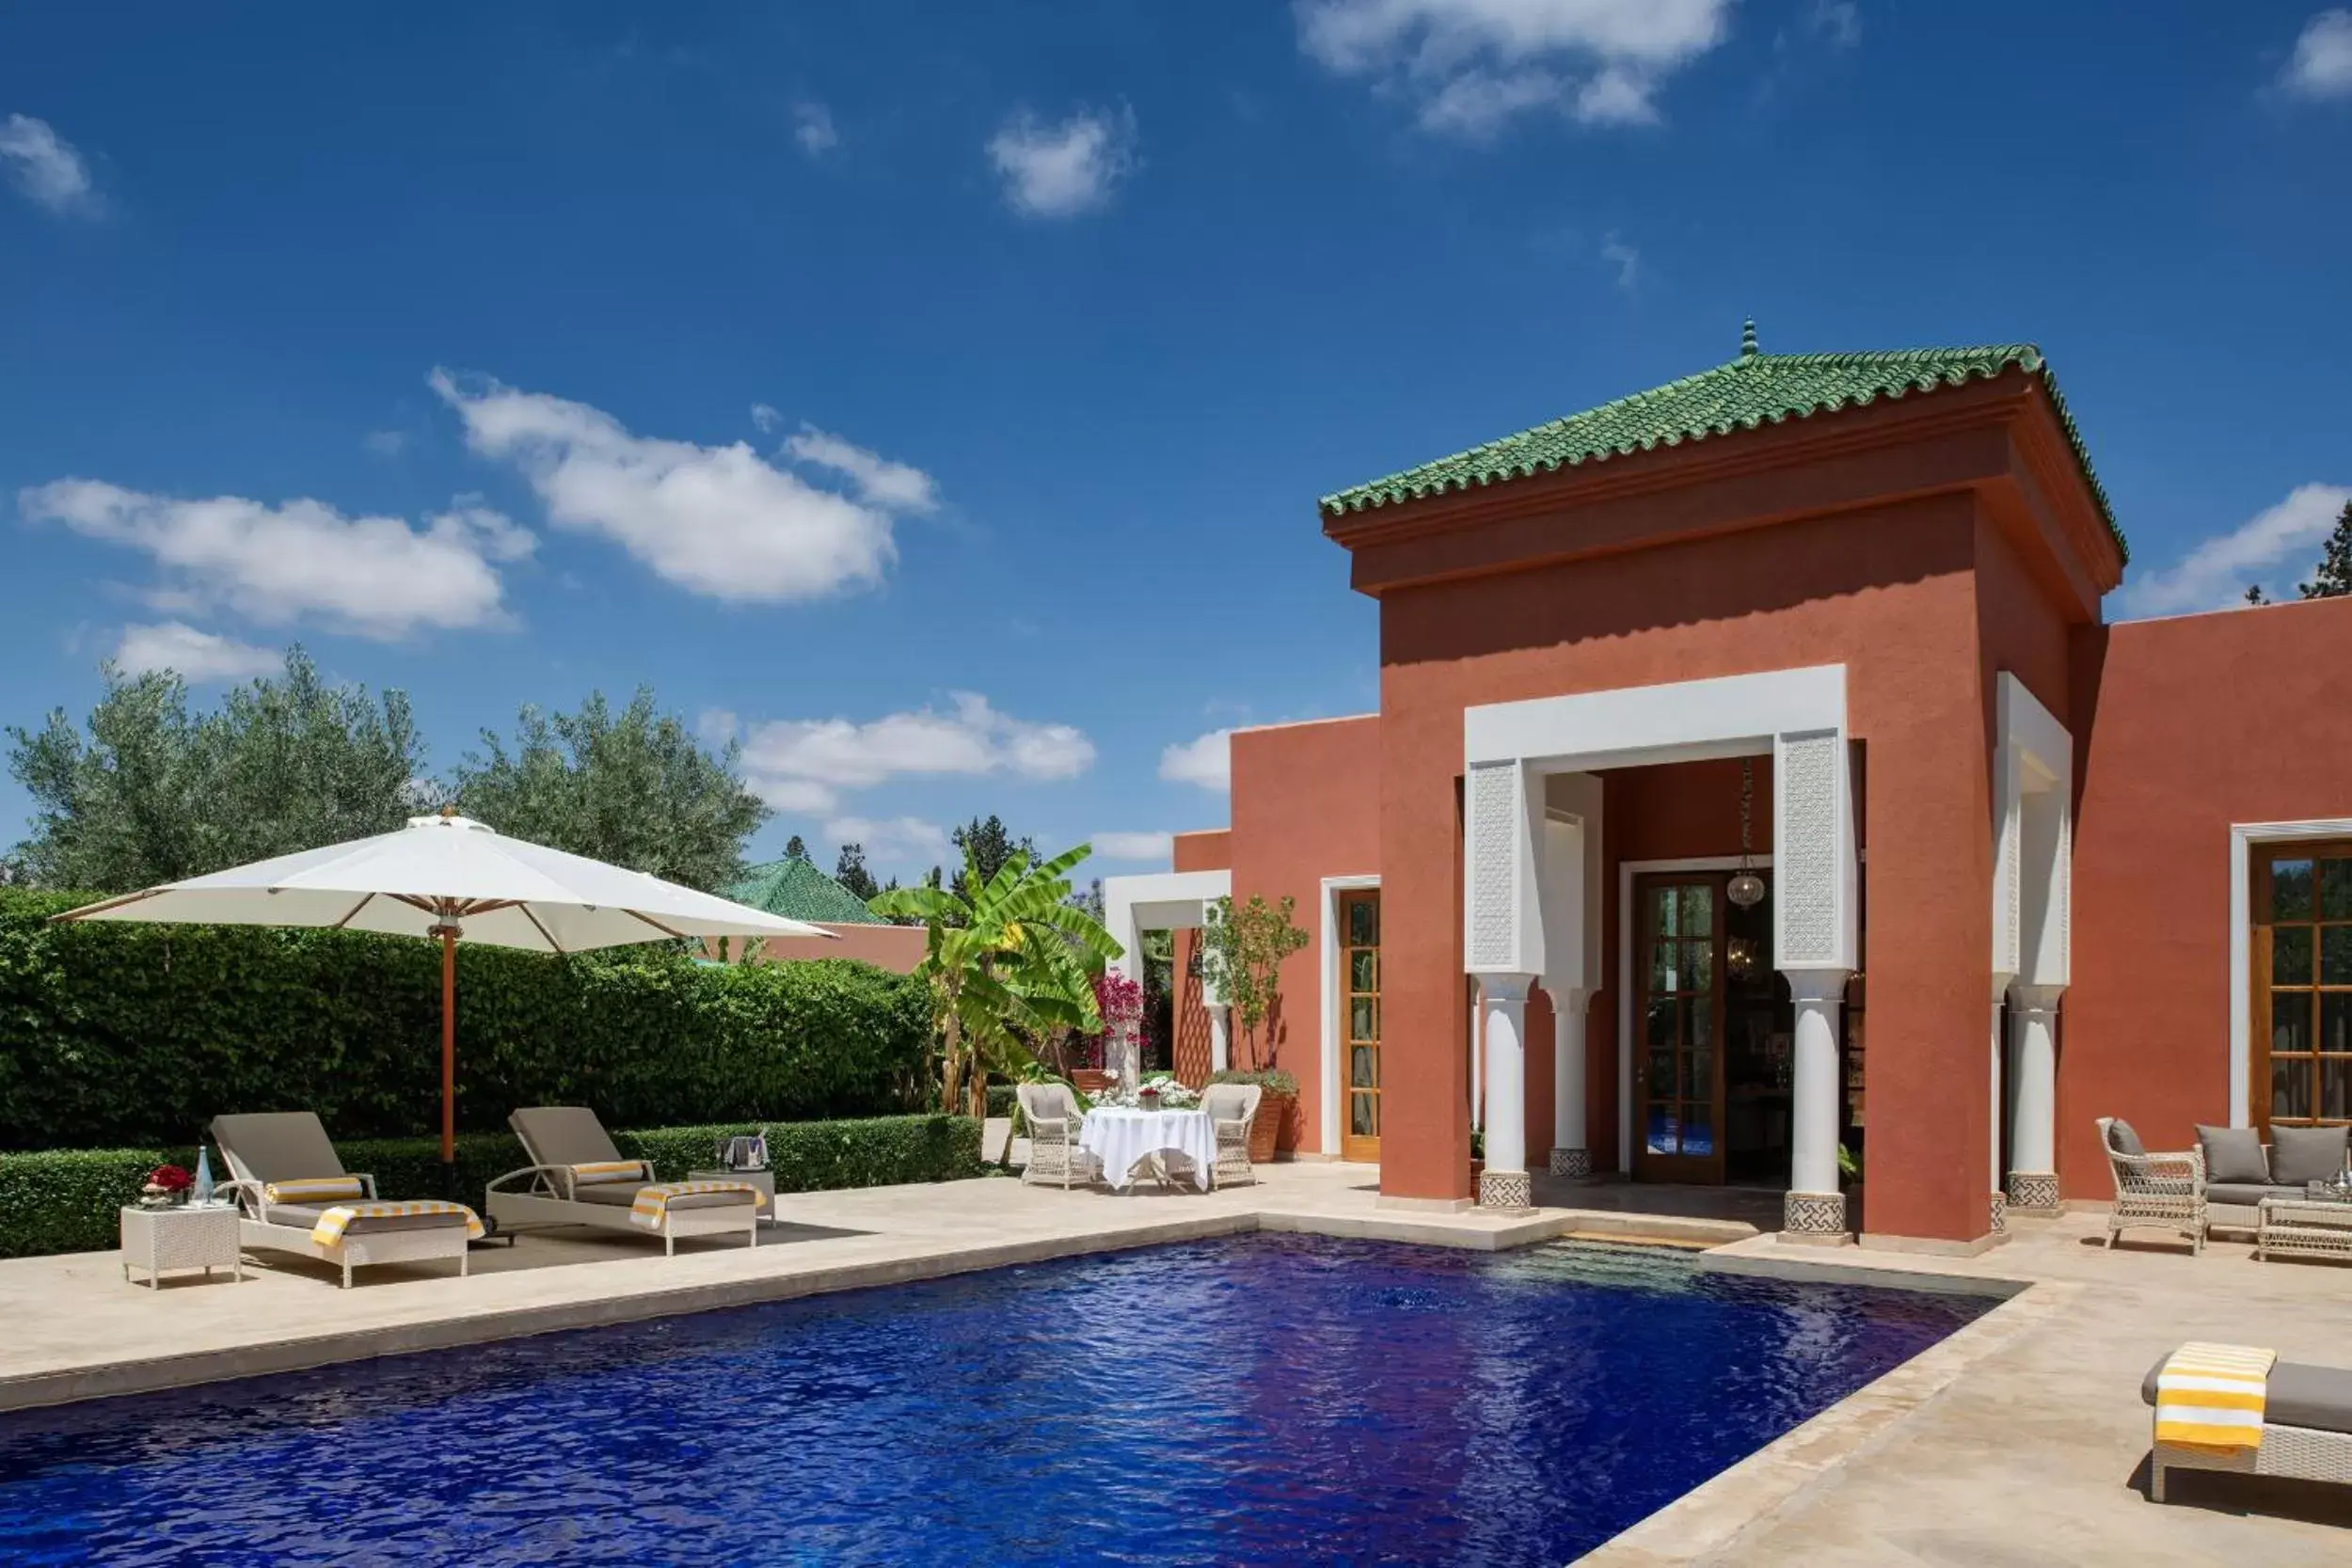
449, 1059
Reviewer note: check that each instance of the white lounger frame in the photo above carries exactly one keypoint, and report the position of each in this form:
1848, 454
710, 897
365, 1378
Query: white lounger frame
547, 1201
357, 1249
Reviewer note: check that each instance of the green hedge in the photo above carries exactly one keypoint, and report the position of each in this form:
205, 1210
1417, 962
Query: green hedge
64, 1201
1003, 1098
115, 1034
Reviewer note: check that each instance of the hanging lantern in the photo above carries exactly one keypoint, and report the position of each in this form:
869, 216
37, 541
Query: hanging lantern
1746, 889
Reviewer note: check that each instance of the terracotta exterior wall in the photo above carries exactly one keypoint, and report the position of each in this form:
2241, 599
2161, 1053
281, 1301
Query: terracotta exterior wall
1888, 591
897, 949
1305, 806
2188, 725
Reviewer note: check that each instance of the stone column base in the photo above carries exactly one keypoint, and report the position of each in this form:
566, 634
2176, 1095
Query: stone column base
1571, 1162
1505, 1189
1997, 1213
1813, 1217
2034, 1191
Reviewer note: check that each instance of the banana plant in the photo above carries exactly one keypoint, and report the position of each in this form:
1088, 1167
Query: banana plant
1006, 960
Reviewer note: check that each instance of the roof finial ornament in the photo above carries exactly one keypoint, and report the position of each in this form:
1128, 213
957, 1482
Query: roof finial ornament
1747, 338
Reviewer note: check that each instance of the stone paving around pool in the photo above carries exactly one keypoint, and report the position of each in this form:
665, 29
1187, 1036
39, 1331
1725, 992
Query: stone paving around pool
2019, 1442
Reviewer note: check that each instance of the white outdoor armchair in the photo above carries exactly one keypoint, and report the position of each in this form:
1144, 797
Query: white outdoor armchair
1232, 1108
1053, 1121
2163, 1190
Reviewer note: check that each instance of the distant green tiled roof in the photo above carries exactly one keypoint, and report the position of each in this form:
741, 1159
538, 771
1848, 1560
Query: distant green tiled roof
798, 891
1752, 391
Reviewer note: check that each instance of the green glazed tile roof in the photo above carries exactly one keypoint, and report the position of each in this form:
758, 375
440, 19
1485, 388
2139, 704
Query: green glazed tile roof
798, 891
1752, 391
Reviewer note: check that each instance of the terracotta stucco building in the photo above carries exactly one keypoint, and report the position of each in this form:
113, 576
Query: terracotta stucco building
1754, 777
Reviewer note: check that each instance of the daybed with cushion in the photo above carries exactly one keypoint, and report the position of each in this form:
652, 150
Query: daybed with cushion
578, 1177
2306, 1431
2241, 1170
293, 1189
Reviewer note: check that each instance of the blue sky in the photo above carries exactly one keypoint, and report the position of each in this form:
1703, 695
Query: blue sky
936, 398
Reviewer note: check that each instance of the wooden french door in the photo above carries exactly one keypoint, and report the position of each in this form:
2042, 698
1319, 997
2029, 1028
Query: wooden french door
2302, 984
1359, 1024
1678, 965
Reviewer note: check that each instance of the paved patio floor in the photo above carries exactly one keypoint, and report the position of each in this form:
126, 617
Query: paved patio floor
2019, 1443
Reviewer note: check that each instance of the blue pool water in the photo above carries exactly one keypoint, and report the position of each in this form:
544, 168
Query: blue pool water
1259, 1400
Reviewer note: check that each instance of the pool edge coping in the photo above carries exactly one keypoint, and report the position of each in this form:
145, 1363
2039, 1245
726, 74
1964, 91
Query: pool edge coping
1710, 1519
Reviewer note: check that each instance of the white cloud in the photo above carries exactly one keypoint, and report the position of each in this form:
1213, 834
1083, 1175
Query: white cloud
1052, 172
1205, 760
1133, 846
805, 764
373, 577
892, 839
764, 417
2274, 549
386, 443
879, 482
44, 166
199, 656
1623, 257
1468, 65
716, 521
813, 128
1838, 20
2322, 63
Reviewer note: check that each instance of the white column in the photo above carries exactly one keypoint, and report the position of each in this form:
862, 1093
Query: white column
1478, 1068
2033, 1097
1569, 1156
1220, 1037
1996, 1203
1816, 1206
1503, 1184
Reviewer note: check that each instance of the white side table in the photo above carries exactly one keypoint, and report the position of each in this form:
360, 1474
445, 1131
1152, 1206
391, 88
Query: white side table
764, 1180
181, 1238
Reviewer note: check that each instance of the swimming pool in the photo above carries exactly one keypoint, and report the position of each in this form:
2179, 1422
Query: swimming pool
1260, 1398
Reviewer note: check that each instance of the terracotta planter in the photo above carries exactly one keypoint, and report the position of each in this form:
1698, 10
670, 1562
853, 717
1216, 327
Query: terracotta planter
1266, 1132
1293, 1126
1090, 1080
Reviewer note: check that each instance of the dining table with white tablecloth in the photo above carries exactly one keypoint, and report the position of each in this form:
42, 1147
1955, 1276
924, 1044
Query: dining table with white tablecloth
1124, 1138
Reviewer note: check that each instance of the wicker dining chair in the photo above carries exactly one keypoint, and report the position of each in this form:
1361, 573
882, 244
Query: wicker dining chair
1233, 1107
1054, 1119
2164, 1191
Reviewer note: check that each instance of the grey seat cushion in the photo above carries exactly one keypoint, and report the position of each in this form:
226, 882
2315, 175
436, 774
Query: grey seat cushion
621, 1194
2300, 1395
278, 1146
2247, 1193
2124, 1139
2233, 1154
2300, 1155
563, 1135
307, 1214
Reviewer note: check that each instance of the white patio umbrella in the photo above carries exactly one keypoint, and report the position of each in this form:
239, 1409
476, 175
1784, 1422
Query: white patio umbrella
450, 877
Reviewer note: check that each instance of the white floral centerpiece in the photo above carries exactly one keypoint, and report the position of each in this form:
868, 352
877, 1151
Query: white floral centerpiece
1157, 1091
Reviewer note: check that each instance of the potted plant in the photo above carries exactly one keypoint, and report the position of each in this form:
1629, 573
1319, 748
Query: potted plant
1243, 949
1277, 1090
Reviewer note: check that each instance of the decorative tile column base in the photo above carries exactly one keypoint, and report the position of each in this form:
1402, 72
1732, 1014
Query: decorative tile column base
1997, 1213
2033, 1192
1813, 1217
1571, 1162
1505, 1189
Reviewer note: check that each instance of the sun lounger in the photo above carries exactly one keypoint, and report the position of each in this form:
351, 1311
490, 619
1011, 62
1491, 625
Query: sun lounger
2306, 1431
578, 1177
295, 1196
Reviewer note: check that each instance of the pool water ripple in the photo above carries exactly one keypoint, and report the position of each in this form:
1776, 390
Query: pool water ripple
1259, 1400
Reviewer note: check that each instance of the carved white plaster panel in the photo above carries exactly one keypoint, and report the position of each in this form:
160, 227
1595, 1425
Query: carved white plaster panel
1493, 810
1809, 874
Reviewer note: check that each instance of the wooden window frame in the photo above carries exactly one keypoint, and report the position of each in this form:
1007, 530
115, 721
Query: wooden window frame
2260, 949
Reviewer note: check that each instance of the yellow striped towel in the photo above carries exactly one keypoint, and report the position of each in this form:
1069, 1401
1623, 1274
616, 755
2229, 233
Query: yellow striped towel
652, 1207
597, 1172
311, 1189
2211, 1396
331, 1225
